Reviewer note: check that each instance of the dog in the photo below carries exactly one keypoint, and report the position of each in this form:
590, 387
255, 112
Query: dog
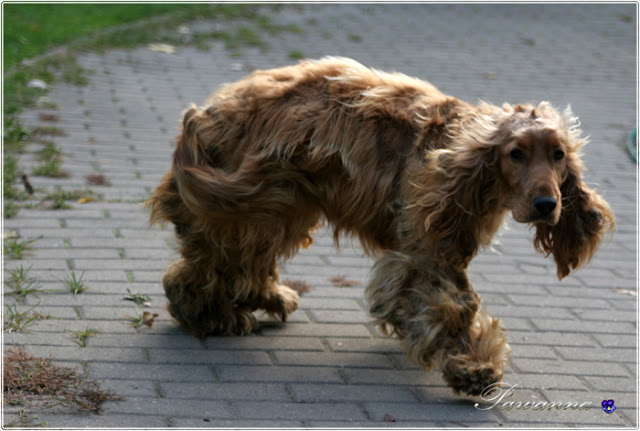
424, 180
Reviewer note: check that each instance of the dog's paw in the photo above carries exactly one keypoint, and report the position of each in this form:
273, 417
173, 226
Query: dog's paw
471, 378
477, 359
282, 302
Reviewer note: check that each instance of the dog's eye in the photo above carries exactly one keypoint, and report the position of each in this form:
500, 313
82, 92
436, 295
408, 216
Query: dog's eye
517, 155
558, 155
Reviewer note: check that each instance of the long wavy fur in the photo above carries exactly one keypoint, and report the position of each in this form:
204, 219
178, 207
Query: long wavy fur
423, 179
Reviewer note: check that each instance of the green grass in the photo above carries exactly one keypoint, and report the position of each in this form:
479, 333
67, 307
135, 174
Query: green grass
59, 198
14, 248
50, 168
32, 29
138, 298
9, 176
21, 284
17, 321
49, 152
10, 210
75, 284
80, 337
295, 54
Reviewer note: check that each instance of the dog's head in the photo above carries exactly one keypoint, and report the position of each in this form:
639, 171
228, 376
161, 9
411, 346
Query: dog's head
535, 156
524, 159
541, 170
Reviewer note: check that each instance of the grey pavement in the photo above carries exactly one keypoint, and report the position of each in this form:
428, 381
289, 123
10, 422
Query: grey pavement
573, 341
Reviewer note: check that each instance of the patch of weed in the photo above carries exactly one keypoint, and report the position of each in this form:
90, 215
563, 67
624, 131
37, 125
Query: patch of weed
9, 177
36, 381
60, 198
18, 321
75, 284
14, 248
10, 209
47, 131
14, 134
294, 54
146, 318
21, 284
80, 337
138, 298
49, 152
51, 168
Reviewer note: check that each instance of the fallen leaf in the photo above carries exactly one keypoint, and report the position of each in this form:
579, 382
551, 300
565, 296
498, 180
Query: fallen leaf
97, 180
84, 200
37, 83
626, 292
299, 286
48, 117
162, 47
147, 318
389, 418
341, 281
10, 234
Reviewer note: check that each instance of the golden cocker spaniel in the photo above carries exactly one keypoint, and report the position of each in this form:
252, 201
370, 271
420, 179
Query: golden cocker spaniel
423, 179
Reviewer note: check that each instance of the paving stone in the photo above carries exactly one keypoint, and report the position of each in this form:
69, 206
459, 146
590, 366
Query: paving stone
318, 330
209, 357
548, 367
382, 345
332, 359
170, 408
226, 423
408, 411
177, 373
340, 316
105, 421
582, 326
311, 393
264, 343
239, 373
294, 411
227, 391
597, 355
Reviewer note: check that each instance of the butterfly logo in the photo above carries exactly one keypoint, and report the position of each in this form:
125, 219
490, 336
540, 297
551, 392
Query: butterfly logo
608, 406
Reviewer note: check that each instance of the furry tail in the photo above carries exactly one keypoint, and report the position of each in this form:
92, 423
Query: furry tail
207, 185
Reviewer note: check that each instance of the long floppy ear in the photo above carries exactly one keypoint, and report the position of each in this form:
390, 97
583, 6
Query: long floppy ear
454, 201
584, 219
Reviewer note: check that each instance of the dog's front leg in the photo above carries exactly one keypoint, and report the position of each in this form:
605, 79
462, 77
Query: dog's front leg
476, 359
435, 315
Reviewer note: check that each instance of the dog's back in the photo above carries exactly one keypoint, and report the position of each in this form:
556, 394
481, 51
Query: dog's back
309, 139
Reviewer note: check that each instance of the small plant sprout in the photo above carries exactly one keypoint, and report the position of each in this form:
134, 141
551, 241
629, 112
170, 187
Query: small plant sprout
75, 285
15, 249
139, 298
21, 284
18, 321
80, 337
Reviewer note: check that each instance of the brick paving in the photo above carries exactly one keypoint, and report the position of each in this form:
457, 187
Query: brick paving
574, 340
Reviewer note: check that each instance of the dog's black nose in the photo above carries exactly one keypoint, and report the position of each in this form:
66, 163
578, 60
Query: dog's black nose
544, 205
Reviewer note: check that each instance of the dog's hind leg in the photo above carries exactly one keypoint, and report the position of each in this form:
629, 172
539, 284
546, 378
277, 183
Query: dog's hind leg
279, 300
198, 301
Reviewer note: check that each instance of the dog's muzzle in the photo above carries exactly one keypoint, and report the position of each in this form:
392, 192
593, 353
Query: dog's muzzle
544, 206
